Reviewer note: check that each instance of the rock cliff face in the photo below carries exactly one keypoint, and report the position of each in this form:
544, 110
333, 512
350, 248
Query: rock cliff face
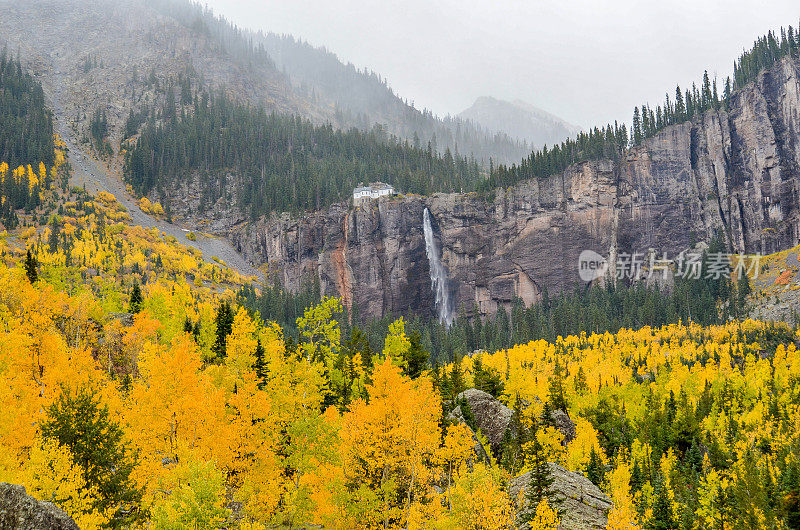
735, 171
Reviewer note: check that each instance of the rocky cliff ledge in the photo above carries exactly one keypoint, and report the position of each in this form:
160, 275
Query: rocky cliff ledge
735, 170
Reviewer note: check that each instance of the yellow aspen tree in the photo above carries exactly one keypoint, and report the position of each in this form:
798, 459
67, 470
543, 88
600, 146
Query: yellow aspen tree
241, 345
479, 500
51, 475
174, 411
545, 518
397, 344
623, 515
389, 438
458, 447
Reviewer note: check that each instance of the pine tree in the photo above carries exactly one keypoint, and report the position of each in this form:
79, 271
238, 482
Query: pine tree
662, 518
31, 265
541, 479
680, 107
136, 299
224, 324
742, 290
456, 382
637, 127
486, 379
637, 477
556, 393
53, 239
594, 468
259, 365
416, 358
79, 422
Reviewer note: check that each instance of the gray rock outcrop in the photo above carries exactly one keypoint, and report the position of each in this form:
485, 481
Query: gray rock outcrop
564, 424
20, 511
477, 447
583, 507
491, 416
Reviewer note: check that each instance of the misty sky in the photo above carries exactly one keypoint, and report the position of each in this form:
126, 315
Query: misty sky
587, 61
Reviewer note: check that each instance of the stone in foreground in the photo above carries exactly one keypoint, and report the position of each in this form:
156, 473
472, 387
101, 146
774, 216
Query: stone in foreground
584, 506
20, 511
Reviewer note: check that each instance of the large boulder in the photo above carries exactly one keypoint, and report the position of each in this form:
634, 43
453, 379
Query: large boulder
480, 453
563, 423
584, 506
20, 511
491, 416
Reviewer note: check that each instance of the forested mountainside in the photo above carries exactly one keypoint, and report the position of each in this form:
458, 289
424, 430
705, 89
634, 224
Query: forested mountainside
119, 56
519, 120
123, 56
239, 158
27, 150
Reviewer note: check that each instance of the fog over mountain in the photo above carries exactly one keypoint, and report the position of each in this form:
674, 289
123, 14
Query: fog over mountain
588, 62
520, 120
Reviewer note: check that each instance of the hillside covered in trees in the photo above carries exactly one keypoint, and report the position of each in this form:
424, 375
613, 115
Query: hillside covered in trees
201, 403
146, 385
280, 163
28, 158
277, 162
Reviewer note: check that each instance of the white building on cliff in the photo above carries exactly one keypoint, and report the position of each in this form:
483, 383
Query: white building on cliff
373, 191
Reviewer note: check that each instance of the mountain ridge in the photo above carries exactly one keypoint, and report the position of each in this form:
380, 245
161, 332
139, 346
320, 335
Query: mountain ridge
519, 119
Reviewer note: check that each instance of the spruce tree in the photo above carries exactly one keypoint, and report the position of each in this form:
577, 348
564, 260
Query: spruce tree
416, 357
136, 299
662, 518
556, 393
742, 291
594, 468
31, 265
96, 442
637, 127
457, 384
224, 322
259, 366
541, 479
637, 477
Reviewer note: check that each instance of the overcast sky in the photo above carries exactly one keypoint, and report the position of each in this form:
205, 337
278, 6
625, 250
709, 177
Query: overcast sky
588, 61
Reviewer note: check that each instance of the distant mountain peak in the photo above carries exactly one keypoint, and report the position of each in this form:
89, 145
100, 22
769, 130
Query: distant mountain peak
519, 119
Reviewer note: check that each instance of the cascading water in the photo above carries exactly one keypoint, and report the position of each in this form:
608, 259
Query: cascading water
439, 281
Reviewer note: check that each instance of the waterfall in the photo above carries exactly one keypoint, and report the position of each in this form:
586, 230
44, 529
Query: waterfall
439, 281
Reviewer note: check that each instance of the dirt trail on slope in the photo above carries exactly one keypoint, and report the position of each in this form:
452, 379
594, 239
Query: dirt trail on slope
96, 177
